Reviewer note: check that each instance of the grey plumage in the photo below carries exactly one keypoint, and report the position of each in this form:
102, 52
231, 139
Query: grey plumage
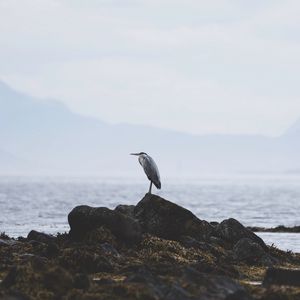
150, 169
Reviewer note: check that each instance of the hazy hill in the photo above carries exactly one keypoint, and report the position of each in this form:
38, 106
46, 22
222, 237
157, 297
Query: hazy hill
9, 163
295, 129
52, 139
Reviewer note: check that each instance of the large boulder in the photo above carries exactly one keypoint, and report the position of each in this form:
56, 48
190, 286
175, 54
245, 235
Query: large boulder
127, 210
231, 231
168, 220
84, 219
248, 251
40, 237
210, 286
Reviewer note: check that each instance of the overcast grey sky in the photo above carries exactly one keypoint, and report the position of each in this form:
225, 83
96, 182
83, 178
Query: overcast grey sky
223, 66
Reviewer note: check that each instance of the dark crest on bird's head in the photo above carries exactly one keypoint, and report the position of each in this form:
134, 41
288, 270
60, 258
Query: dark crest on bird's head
141, 153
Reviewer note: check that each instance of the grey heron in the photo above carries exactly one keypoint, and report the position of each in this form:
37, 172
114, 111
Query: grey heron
150, 169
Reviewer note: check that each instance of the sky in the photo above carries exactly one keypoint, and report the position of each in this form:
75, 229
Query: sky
223, 66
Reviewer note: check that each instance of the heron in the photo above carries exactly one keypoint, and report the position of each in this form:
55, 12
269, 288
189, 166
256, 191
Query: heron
150, 169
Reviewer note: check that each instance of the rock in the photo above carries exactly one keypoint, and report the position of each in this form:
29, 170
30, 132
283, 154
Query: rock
40, 237
127, 210
143, 276
83, 219
279, 276
109, 249
212, 286
10, 278
8, 242
168, 220
177, 292
14, 296
239, 295
100, 235
81, 281
38, 262
57, 280
214, 223
232, 231
217, 241
52, 250
248, 251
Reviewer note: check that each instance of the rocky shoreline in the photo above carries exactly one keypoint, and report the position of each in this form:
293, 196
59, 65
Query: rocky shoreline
154, 250
280, 228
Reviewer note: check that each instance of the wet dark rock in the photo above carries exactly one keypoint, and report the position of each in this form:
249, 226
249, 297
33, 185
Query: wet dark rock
212, 248
223, 288
189, 242
140, 277
98, 236
7, 242
177, 292
280, 276
15, 296
10, 278
40, 237
168, 220
36, 261
57, 280
143, 275
109, 249
214, 223
52, 250
81, 281
83, 219
217, 241
127, 210
39, 263
232, 231
212, 286
246, 250
239, 295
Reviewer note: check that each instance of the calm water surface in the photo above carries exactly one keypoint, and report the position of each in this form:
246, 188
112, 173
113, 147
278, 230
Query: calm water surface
44, 203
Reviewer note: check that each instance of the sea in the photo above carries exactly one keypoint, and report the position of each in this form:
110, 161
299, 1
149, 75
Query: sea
43, 203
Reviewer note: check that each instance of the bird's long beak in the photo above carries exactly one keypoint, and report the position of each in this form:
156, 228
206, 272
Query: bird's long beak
134, 154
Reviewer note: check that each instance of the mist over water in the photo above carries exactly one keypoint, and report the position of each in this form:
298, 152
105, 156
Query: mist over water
43, 203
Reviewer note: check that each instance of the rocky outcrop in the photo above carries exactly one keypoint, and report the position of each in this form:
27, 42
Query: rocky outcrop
127, 210
84, 219
155, 250
280, 228
168, 220
34, 235
231, 231
248, 251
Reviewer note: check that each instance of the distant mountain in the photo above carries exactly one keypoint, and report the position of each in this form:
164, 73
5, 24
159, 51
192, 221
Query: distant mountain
10, 163
53, 140
294, 129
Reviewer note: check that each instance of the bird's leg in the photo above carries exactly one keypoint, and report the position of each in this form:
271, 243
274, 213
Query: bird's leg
150, 187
